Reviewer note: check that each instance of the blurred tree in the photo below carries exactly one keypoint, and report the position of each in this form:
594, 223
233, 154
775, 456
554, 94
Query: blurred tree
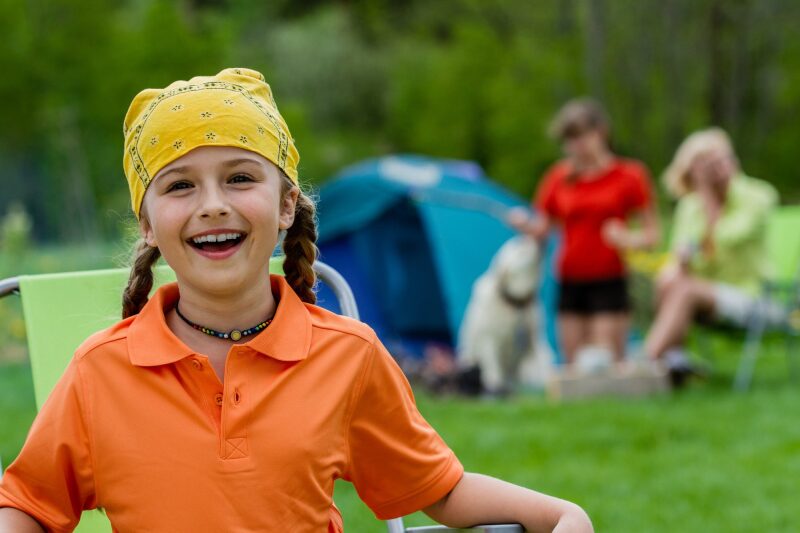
15, 231
476, 79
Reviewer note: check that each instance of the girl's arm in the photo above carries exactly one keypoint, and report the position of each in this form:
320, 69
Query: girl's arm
15, 521
479, 499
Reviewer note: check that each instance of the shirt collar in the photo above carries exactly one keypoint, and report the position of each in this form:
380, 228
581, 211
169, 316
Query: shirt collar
287, 338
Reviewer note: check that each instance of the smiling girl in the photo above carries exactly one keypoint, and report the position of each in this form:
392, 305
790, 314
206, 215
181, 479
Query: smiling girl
228, 401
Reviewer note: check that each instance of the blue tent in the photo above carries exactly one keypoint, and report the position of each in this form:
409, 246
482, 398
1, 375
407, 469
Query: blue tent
411, 234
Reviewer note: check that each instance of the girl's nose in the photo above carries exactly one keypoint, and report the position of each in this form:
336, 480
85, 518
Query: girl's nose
214, 203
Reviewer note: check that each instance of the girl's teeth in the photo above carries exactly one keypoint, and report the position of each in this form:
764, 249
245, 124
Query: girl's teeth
222, 237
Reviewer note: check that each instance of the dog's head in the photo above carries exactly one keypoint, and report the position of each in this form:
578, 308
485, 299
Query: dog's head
516, 266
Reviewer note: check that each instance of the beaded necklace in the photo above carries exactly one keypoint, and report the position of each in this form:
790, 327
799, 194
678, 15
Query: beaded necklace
234, 334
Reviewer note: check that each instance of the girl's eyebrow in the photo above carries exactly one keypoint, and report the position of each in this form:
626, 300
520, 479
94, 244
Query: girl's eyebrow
227, 164
237, 162
177, 170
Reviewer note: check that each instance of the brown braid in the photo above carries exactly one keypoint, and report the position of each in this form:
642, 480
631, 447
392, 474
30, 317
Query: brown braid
299, 247
140, 282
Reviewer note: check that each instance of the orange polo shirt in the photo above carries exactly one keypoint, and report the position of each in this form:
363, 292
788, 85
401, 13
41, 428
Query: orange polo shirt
141, 426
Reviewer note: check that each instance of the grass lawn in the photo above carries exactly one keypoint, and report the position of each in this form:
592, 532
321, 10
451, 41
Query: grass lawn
706, 459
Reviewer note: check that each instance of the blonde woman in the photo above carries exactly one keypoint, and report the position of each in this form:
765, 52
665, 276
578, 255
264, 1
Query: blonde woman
718, 245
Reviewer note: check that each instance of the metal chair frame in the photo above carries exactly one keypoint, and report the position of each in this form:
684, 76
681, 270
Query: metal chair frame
788, 295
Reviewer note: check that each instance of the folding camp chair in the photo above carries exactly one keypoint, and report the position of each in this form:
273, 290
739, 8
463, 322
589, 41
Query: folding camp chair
783, 249
780, 290
52, 342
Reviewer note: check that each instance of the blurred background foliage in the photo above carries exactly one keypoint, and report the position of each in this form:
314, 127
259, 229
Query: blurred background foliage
472, 79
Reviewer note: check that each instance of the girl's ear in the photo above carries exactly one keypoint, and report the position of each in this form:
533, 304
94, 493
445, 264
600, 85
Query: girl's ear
146, 231
287, 207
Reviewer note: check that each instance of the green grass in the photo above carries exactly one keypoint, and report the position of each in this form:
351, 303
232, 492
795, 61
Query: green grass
63, 258
17, 408
705, 459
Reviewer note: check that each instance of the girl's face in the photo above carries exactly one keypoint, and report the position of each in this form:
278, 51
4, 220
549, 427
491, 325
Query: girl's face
215, 214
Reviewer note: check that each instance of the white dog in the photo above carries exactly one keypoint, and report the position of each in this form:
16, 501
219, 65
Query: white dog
499, 330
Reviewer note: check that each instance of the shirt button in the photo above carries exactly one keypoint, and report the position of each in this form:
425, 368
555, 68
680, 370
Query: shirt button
218, 398
197, 364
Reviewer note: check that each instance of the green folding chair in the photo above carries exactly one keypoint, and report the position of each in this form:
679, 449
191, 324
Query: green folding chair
783, 288
61, 310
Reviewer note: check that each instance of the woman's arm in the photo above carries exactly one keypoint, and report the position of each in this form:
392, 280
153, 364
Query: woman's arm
537, 226
15, 521
650, 228
621, 236
479, 499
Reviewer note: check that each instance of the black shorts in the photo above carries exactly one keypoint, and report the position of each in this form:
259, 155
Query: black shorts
589, 297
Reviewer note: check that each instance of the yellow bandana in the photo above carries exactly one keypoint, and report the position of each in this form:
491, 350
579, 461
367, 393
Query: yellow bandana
233, 108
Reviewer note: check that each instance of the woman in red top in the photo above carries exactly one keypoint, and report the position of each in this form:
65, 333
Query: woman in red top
592, 194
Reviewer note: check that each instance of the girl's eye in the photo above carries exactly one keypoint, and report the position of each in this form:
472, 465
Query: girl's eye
179, 185
241, 178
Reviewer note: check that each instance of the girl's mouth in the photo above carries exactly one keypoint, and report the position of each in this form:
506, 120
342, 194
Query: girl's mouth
216, 246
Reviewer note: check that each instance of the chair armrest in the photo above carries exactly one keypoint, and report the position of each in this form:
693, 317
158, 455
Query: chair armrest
8, 286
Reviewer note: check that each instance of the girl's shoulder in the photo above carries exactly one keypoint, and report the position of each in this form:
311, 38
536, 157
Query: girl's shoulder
116, 333
348, 342
329, 321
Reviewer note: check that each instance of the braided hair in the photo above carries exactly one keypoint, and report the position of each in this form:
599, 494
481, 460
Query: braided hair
299, 246
140, 280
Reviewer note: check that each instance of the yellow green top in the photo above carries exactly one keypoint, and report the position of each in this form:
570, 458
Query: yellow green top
740, 252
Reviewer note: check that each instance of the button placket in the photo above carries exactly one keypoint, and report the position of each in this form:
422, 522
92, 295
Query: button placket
234, 412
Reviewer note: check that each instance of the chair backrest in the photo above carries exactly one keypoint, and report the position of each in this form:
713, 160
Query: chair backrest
783, 242
61, 310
